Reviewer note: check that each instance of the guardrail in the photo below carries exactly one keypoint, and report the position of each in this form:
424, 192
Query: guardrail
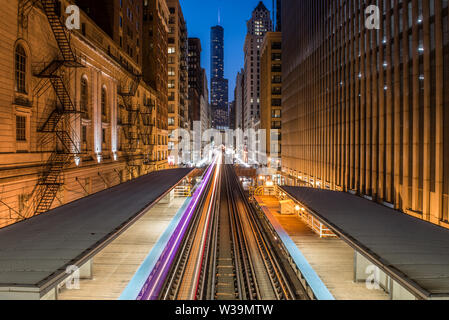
313, 223
316, 225
183, 191
314, 286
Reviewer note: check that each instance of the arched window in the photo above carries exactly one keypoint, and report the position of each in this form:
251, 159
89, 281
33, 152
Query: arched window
103, 102
20, 69
84, 100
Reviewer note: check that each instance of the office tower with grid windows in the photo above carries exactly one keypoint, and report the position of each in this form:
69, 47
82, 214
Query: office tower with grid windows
366, 110
219, 85
259, 24
178, 101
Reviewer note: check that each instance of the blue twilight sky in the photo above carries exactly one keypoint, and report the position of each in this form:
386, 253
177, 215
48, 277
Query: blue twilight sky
201, 15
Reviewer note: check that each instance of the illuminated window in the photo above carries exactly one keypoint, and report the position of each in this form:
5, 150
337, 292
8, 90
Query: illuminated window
20, 67
84, 95
103, 102
21, 128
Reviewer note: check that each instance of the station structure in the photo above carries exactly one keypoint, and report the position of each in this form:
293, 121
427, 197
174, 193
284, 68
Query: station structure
111, 244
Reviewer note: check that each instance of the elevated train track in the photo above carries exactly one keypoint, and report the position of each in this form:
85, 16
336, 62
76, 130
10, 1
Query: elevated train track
228, 252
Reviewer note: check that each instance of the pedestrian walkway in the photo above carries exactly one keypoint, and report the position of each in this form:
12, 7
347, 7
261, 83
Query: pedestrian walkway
331, 258
115, 266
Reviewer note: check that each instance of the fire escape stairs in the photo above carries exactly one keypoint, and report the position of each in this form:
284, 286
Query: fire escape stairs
52, 177
131, 128
51, 8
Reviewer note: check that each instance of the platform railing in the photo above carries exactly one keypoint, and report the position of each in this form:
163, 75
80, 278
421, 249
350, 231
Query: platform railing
183, 191
316, 225
313, 223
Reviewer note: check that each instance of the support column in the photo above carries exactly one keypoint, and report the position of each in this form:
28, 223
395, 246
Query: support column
86, 271
114, 113
388, 86
168, 199
437, 214
361, 265
397, 113
416, 112
427, 113
406, 121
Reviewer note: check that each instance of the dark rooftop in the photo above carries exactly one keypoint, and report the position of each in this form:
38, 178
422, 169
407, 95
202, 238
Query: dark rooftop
36, 252
413, 252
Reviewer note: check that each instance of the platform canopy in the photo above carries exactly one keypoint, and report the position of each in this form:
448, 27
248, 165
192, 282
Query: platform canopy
413, 252
35, 253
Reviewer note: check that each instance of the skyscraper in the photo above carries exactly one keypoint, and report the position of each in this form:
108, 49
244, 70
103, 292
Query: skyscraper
271, 96
219, 85
278, 15
178, 108
366, 110
195, 80
155, 70
238, 93
259, 24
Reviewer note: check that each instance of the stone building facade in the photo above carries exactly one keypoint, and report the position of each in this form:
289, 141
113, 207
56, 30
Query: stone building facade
75, 118
155, 69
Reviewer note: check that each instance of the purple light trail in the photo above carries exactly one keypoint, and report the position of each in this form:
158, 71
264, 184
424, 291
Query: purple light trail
155, 281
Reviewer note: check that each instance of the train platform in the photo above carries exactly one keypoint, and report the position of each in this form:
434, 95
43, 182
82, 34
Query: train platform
329, 261
116, 265
39, 255
409, 257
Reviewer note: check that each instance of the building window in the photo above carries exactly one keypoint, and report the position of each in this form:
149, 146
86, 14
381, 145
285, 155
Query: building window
84, 95
84, 134
276, 125
103, 102
276, 57
21, 62
276, 102
21, 128
276, 79
276, 113
276, 91
84, 138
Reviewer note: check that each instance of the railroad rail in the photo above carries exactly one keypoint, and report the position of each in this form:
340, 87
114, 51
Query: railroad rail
229, 252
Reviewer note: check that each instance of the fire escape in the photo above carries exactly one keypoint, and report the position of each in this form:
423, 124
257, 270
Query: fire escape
58, 123
148, 130
130, 125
